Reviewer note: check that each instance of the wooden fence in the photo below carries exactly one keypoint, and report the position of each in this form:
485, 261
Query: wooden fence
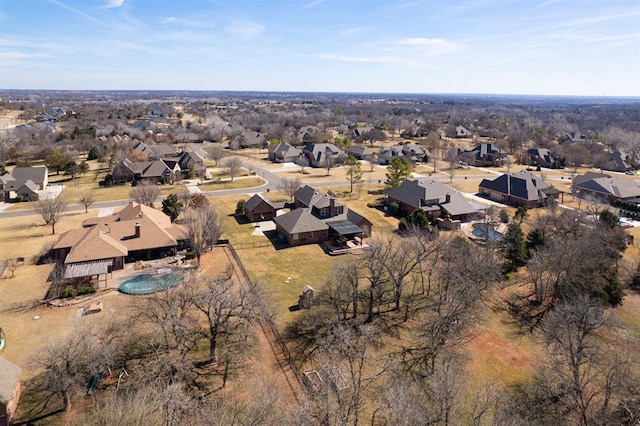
269, 323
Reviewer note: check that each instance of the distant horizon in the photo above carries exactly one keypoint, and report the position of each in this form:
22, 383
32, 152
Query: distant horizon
322, 92
533, 48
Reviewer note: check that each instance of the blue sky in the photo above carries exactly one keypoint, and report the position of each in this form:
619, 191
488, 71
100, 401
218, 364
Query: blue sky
552, 47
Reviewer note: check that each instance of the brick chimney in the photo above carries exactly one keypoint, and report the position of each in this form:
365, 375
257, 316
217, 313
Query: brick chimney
137, 230
447, 198
332, 206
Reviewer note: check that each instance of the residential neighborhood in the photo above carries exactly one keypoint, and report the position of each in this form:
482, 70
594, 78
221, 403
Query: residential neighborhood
248, 249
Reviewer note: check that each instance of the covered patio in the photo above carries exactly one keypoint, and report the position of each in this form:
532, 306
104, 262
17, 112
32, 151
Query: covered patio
76, 272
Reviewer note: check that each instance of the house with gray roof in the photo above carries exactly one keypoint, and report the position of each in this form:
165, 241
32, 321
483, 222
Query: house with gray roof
606, 187
542, 157
156, 171
306, 134
24, 182
300, 227
257, 208
361, 152
284, 153
36, 174
318, 218
321, 154
409, 152
519, 188
614, 161
463, 132
9, 390
436, 199
484, 155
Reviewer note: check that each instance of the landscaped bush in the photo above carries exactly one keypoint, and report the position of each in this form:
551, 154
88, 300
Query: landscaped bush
67, 293
85, 290
394, 208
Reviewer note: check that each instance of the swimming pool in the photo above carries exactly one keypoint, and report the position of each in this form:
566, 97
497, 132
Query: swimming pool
150, 283
486, 232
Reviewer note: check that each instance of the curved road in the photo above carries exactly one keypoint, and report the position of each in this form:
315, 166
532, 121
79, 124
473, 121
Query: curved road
273, 181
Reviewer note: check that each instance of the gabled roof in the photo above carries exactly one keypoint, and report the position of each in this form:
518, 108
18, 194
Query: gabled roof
114, 236
9, 376
607, 185
360, 150
35, 174
6, 178
285, 150
524, 185
305, 195
95, 244
255, 201
420, 193
299, 221
155, 169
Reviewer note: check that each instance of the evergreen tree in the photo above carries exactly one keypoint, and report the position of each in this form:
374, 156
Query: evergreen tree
514, 248
353, 169
397, 172
535, 239
172, 207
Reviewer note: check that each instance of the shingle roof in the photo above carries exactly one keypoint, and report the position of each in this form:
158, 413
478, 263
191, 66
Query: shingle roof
255, 201
35, 174
299, 221
524, 185
9, 375
416, 193
114, 236
613, 186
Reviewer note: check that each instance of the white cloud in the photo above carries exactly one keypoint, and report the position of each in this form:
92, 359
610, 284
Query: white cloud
312, 4
113, 3
431, 46
245, 30
346, 58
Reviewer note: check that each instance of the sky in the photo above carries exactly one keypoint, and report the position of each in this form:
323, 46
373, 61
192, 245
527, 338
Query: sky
546, 47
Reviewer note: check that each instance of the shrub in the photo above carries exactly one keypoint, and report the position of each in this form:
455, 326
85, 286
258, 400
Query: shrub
85, 290
67, 293
372, 205
240, 207
504, 216
394, 208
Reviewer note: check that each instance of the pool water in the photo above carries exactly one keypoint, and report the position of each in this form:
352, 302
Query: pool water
486, 232
150, 283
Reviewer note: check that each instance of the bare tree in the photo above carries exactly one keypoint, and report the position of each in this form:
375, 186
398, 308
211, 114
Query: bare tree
51, 209
86, 199
451, 155
145, 193
303, 162
228, 307
216, 153
289, 185
203, 227
67, 365
233, 166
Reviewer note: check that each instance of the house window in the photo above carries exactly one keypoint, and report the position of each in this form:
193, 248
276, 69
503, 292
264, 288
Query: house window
118, 261
339, 210
295, 236
324, 212
311, 235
